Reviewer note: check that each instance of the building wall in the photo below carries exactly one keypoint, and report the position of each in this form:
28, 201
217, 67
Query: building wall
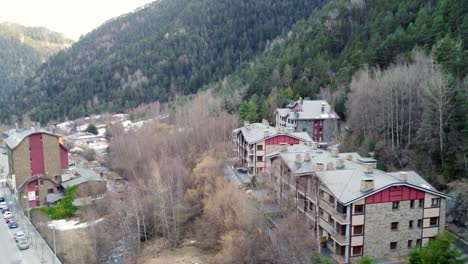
305, 126
377, 228
330, 129
51, 148
22, 162
63, 157
36, 154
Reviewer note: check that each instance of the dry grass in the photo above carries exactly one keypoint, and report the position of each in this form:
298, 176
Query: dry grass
186, 253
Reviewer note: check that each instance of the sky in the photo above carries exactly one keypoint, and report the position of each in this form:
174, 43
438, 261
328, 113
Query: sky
73, 18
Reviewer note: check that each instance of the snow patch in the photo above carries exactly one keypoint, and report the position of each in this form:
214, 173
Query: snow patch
64, 225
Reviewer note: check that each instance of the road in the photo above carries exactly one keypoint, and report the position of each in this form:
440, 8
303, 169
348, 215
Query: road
39, 252
9, 253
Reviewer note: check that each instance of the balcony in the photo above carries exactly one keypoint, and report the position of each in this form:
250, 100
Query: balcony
339, 238
251, 152
340, 218
326, 225
330, 209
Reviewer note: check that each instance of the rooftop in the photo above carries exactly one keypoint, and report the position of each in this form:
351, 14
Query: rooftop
16, 137
82, 175
345, 182
311, 109
255, 132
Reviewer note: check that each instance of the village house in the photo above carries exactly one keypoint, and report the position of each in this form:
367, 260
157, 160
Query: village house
253, 141
315, 117
35, 160
353, 208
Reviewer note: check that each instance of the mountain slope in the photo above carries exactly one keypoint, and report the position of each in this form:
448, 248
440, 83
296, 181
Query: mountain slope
168, 48
22, 50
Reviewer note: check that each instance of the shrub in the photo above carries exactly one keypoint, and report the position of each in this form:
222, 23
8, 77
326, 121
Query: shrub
65, 207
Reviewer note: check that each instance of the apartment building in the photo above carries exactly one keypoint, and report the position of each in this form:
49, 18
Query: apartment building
253, 141
353, 208
35, 161
315, 117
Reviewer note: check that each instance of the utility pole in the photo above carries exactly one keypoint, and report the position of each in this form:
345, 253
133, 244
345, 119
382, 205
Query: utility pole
55, 248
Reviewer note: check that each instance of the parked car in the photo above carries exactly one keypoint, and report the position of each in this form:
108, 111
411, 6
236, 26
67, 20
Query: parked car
7, 215
242, 170
8, 220
3, 210
19, 235
22, 244
3, 203
12, 224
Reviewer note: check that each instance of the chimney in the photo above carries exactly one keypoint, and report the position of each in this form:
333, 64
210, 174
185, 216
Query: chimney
246, 123
369, 169
367, 184
323, 108
284, 146
334, 151
307, 156
298, 158
330, 166
349, 157
265, 122
301, 100
266, 133
314, 145
403, 176
319, 166
340, 163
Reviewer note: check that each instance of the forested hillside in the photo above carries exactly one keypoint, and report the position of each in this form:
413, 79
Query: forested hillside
168, 48
22, 50
391, 112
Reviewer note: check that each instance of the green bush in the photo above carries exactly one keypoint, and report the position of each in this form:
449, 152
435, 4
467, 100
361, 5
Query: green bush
441, 250
65, 208
366, 260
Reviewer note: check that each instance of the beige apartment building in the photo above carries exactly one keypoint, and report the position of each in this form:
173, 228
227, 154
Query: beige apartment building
352, 208
253, 141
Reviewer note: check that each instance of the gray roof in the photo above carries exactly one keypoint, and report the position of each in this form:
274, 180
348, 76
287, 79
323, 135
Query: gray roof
256, 133
83, 175
283, 111
311, 109
18, 136
345, 183
53, 197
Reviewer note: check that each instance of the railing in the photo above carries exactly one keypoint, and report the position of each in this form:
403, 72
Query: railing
325, 225
339, 217
339, 238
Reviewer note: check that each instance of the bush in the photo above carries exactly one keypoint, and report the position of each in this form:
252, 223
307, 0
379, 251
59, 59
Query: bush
92, 129
366, 260
441, 250
65, 208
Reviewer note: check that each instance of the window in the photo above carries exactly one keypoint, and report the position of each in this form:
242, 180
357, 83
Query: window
395, 205
435, 202
330, 219
412, 204
393, 245
421, 203
394, 226
331, 199
411, 224
259, 147
358, 230
50, 190
359, 209
321, 212
434, 221
304, 129
259, 158
41, 182
322, 193
418, 242
419, 223
357, 251
410, 243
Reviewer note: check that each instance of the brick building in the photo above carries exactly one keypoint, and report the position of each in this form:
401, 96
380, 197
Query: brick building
35, 160
352, 208
315, 117
253, 141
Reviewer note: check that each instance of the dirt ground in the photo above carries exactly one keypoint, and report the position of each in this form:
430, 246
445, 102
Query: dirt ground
186, 253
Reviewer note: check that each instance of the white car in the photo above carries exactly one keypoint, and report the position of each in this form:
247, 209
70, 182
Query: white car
22, 244
7, 215
19, 235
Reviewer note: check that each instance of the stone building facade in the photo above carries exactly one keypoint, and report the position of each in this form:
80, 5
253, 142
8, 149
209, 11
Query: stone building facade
352, 208
36, 160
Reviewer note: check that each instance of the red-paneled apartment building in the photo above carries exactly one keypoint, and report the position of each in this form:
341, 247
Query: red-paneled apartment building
315, 117
35, 160
352, 208
253, 141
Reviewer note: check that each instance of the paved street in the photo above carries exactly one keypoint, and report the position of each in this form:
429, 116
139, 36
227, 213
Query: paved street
9, 253
39, 252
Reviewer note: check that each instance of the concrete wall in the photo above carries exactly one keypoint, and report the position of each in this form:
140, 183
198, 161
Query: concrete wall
378, 233
329, 130
51, 148
305, 126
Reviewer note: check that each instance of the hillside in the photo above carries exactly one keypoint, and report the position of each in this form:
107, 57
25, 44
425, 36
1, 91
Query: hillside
168, 48
22, 50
